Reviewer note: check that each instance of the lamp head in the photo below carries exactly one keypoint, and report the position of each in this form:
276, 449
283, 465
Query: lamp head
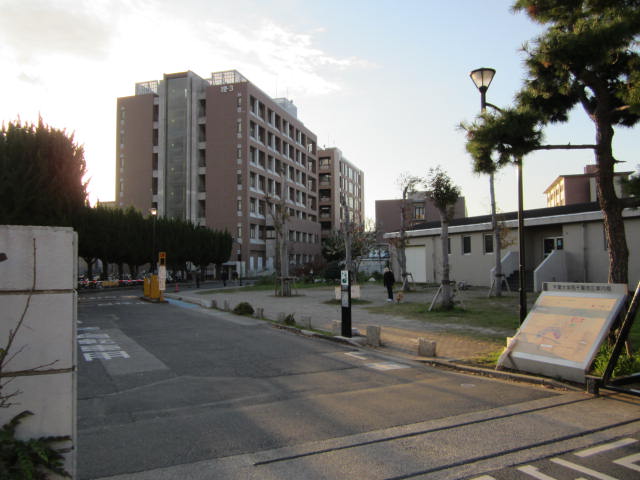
482, 78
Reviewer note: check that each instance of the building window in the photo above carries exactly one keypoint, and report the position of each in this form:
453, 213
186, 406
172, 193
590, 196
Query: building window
418, 211
466, 245
239, 205
488, 243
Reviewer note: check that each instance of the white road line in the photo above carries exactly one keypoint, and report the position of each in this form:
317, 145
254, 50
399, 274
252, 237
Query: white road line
484, 477
581, 469
535, 472
384, 366
358, 355
630, 462
605, 447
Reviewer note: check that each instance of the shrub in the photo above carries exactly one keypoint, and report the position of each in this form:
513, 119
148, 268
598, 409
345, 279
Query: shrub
332, 271
243, 308
29, 458
289, 319
626, 365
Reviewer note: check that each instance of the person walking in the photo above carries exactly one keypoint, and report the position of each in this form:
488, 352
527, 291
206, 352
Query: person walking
388, 280
224, 277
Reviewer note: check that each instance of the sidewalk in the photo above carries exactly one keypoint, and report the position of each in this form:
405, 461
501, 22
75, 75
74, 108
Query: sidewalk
398, 333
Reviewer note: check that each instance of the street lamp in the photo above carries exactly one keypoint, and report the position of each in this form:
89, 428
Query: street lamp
154, 213
482, 78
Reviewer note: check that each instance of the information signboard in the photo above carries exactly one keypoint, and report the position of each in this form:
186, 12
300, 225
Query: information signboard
162, 278
562, 333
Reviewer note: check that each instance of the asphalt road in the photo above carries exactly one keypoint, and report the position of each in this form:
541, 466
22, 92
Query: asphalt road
171, 391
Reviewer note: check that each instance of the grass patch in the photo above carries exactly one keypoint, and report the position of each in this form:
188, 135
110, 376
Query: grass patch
498, 314
490, 360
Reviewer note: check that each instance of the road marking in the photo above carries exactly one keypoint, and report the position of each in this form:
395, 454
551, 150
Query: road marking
535, 472
358, 355
99, 346
384, 366
581, 469
484, 477
630, 462
605, 447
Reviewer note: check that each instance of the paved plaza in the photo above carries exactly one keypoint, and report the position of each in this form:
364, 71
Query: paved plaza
398, 333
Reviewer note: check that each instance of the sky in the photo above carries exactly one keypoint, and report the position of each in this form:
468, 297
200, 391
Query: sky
387, 82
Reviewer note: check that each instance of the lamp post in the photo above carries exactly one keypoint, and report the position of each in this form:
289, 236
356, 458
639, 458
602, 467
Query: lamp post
482, 78
154, 213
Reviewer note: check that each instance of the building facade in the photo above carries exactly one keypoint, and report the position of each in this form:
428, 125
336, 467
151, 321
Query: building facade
341, 186
221, 153
419, 209
581, 188
564, 244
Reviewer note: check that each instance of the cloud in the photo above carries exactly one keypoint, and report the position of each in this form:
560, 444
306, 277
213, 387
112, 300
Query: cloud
36, 28
282, 54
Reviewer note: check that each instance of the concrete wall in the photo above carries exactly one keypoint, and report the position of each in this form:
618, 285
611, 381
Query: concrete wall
47, 336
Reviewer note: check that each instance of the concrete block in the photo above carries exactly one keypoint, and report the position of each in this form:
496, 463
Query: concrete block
336, 327
48, 331
226, 307
426, 347
373, 335
206, 303
56, 257
305, 321
259, 313
48, 397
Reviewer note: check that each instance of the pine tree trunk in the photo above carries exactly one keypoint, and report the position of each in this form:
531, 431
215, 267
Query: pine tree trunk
610, 205
497, 251
447, 296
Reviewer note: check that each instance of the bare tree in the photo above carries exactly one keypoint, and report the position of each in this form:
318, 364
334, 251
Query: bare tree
444, 195
407, 184
278, 211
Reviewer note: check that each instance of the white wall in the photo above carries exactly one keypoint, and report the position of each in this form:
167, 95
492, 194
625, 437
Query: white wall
47, 335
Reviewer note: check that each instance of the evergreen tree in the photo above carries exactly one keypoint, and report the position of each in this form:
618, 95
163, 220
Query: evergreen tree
41, 171
587, 56
444, 195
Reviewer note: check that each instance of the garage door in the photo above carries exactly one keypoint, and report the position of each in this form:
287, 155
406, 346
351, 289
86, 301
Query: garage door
416, 263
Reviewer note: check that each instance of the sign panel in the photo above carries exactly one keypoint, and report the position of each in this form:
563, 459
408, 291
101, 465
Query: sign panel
562, 333
162, 278
344, 278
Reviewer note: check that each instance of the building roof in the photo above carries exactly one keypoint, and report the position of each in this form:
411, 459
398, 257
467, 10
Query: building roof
591, 207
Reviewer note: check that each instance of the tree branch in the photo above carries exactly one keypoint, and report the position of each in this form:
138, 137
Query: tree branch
568, 146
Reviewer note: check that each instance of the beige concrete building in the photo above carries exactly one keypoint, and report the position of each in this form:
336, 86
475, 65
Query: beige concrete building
214, 151
581, 188
564, 243
341, 185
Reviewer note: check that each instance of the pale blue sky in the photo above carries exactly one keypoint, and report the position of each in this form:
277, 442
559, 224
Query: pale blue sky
385, 81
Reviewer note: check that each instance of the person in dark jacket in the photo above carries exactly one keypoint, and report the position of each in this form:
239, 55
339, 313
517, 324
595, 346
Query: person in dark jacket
388, 280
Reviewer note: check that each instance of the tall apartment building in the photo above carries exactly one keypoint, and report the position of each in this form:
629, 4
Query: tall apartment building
580, 188
341, 185
214, 151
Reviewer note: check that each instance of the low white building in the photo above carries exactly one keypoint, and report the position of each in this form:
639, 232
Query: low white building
564, 243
